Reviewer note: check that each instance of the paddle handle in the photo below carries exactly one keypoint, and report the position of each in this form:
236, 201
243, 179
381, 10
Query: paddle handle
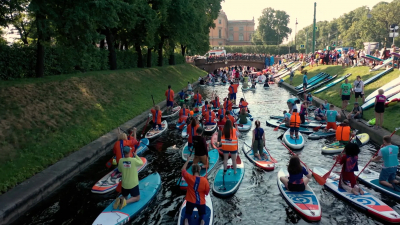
153, 100
337, 160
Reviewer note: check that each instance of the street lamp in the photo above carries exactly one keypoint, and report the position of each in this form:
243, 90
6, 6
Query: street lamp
393, 31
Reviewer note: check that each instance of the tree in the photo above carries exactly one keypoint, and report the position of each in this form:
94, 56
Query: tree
273, 26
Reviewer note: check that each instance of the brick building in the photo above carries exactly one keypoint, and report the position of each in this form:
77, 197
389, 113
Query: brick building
231, 32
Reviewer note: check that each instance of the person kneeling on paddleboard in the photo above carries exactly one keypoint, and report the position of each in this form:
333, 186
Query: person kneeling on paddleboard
286, 118
349, 160
319, 113
243, 104
296, 181
130, 181
331, 116
232, 92
389, 154
259, 141
209, 117
294, 124
242, 117
343, 132
198, 188
200, 148
156, 117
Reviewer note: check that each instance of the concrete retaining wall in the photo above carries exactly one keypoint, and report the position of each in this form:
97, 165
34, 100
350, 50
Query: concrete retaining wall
26, 195
375, 135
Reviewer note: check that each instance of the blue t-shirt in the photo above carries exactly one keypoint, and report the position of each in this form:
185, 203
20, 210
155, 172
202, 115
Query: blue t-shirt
298, 178
287, 115
304, 79
291, 100
389, 155
309, 98
182, 95
331, 115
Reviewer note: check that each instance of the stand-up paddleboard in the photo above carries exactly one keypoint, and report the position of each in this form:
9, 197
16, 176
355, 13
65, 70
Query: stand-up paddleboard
376, 77
275, 123
248, 89
108, 183
227, 185
264, 163
337, 147
208, 217
180, 126
384, 63
374, 58
143, 146
149, 187
186, 152
210, 129
317, 84
174, 112
153, 133
391, 84
184, 132
390, 93
312, 79
305, 202
369, 203
309, 119
293, 143
215, 109
212, 161
322, 134
333, 83
371, 178
244, 127
235, 112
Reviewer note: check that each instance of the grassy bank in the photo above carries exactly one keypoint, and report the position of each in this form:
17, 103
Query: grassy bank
44, 120
391, 119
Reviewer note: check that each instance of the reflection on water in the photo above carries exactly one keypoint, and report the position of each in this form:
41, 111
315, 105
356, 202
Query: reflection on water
258, 200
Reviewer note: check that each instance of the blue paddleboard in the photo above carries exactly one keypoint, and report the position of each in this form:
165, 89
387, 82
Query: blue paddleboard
195, 218
333, 83
227, 185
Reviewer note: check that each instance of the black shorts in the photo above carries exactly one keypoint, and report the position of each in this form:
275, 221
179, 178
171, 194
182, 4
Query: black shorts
359, 94
380, 107
345, 97
305, 85
133, 192
296, 187
190, 207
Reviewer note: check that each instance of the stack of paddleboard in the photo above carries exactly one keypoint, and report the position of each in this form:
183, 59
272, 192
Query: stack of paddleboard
384, 63
392, 84
153, 133
317, 83
333, 83
149, 188
367, 202
376, 77
390, 93
312, 80
337, 147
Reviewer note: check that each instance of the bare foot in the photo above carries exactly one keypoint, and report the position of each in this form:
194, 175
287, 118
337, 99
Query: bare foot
361, 191
354, 191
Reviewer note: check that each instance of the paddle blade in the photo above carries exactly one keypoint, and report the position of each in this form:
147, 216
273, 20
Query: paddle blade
359, 143
119, 187
319, 179
317, 128
273, 160
276, 128
280, 138
109, 163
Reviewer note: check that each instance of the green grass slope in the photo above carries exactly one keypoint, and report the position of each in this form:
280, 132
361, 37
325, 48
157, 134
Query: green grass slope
44, 120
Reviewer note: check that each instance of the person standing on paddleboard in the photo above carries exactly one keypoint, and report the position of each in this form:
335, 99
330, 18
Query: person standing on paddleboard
379, 108
232, 92
130, 181
349, 160
209, 117
133, 143
343, 132
170, 98
198, 188
296, 181
200, 148
303, 112
389, 154
191, 129
286, 118
229, 143
156, 117
258, 141
294, 124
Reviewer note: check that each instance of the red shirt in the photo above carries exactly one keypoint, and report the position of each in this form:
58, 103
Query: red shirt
197, 97
156, 116
198, 188
170, 95
233, 88
191, 132
208, 118
133, 143
118, 148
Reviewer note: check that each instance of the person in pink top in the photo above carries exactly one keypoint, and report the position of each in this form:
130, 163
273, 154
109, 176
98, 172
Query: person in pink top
379, 108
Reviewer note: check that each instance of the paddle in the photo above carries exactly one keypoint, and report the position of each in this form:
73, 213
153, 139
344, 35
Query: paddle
317, 177
270, 156
109, 162
188, 159
396, 129
276, 128
244, 97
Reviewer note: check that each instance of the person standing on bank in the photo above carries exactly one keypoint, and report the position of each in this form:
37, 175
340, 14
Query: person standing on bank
345, 92
130, 181
359, 89
379, 108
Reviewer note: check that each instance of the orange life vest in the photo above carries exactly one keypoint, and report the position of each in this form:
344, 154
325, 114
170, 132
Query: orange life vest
216, 103
343, 133
295, 120
191, 132
230, 144
210, 117
183, 113
243, 104
156, 116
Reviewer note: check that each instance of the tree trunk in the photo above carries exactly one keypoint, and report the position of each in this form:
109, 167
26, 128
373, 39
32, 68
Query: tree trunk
102, 44
140, 57
171, 59
40, 48
112, 56
149, 57
126, 46
160, 52
183, 49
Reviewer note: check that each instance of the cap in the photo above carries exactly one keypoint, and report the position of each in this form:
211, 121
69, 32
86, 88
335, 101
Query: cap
355, 103
127, 149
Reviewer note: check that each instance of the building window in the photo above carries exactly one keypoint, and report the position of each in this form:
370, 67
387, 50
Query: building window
219, 33
219, 43
231, 37
230, 28
249, 37
240, 37
219, 21
240, 28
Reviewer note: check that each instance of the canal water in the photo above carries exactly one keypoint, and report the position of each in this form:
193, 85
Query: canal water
258, 200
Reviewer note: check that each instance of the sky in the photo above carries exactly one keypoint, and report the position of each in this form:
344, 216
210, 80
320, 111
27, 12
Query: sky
303, 10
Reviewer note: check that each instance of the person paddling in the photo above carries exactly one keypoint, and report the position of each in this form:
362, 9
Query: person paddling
228, 116
209, 117
243, 104
296, 180
198, 188
229, 143
216, 104
388, 154
197, 98
232, 92
157, 114
191, 128
200, 148
258, 141
204, 109
242, 117
294, 124
130, 181
170, 98
227, 104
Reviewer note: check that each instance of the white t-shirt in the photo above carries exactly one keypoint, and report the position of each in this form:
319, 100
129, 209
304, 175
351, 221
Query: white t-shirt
295, 107
358, 86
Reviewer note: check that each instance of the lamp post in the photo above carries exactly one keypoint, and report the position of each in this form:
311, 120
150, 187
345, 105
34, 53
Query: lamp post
313, 43
295, 32
393, 31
